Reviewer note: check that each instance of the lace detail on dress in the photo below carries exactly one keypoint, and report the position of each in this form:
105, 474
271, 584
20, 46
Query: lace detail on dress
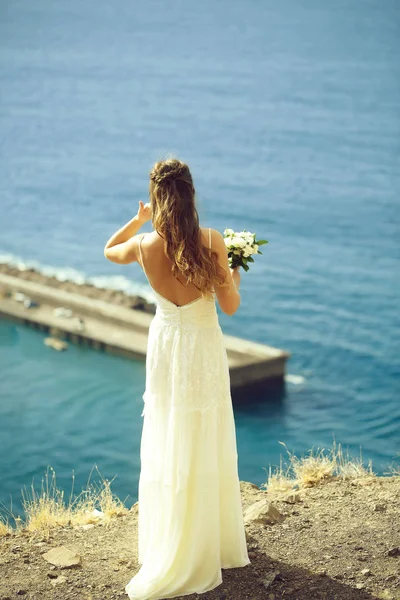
187, 368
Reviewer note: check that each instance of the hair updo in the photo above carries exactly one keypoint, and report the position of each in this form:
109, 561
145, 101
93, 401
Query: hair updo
170, 170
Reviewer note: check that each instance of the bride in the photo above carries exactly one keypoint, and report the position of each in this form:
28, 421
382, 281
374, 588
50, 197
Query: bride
190, 523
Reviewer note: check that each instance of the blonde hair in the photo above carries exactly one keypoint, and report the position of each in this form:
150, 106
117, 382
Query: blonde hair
176, 220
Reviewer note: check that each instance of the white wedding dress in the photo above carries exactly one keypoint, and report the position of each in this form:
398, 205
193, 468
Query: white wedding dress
190, 513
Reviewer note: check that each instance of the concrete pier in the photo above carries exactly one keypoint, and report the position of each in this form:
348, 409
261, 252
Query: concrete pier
124, 331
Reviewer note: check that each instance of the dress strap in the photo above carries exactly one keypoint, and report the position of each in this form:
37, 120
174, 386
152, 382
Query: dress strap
141, 255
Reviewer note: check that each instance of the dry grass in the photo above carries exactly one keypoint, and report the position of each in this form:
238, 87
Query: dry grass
317, 467
5, 529
46, 508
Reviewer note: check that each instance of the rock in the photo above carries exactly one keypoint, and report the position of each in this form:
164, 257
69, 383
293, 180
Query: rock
95, 515
62, 557
52, 575
122, 559
262, 512
248, 485
292, 498
252, 547
360, 586
366, 572
60, 580
394, 551
21, 592
363, 482
269, 579
84, 527
252, 555
379, 507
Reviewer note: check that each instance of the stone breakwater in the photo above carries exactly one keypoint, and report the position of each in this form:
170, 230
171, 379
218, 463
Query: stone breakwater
118, 323
335, 541
89, 290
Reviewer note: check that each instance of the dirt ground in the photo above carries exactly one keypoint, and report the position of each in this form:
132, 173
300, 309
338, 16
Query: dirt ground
339, 540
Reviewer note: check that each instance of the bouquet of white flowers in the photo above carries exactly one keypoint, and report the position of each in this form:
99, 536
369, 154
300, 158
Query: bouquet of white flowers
241, 245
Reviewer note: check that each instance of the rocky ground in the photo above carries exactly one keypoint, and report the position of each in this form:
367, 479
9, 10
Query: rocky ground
339, 540
87, 289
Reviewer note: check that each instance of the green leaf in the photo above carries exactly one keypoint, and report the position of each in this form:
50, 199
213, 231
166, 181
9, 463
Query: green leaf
259, 252
261, 242
250, 259
245, 267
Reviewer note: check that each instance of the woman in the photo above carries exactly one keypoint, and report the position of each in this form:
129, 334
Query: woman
190, 513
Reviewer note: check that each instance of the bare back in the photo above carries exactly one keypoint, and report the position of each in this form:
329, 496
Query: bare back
158, 269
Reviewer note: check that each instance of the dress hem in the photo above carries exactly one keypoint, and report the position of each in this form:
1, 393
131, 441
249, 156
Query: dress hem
175, 594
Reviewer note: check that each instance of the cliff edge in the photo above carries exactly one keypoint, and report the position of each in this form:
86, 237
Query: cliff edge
339, 540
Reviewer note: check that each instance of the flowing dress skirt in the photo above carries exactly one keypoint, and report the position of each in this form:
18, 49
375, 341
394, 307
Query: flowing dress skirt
190, 512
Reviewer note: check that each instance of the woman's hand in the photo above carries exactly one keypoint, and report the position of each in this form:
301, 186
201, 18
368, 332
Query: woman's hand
236, 276
144, 212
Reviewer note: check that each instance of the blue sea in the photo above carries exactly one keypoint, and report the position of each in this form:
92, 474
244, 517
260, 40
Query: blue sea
288, 114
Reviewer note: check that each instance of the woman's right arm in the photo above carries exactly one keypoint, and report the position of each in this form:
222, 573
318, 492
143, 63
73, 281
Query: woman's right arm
228, 297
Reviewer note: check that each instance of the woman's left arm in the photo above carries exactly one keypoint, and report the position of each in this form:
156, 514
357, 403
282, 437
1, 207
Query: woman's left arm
122, 247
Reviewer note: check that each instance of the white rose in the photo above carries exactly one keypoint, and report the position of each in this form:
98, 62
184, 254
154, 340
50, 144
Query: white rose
239, 242
255, 249
229, 232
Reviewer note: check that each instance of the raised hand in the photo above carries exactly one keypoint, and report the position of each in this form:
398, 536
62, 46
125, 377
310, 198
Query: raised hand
144, 212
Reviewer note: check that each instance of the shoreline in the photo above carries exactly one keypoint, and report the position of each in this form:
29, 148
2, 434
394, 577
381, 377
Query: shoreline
117, 297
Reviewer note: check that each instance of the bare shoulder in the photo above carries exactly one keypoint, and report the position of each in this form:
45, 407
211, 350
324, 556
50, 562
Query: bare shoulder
216, 236
151, 239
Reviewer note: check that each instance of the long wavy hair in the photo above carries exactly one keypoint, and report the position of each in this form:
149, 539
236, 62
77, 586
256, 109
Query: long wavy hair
176, 220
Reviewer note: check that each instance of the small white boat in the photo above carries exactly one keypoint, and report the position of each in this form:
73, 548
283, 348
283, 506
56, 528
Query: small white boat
56, 344
29, 303
20, 297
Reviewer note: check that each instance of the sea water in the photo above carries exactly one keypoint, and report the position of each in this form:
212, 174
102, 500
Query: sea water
287, 114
